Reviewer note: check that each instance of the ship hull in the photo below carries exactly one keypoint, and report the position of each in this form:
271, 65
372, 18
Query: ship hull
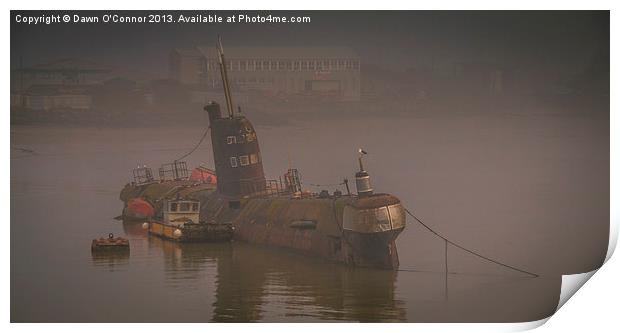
203, 232
326, 228
315, 227
373, 249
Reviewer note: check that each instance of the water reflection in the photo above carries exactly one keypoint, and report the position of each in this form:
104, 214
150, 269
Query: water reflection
259, 284
52, 280
115, 258
110, 259
134, 228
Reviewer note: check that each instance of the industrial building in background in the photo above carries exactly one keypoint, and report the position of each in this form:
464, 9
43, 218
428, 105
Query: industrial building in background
60, 84
328, 72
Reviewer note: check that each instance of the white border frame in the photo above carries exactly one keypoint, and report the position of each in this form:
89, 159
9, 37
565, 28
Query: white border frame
594, 308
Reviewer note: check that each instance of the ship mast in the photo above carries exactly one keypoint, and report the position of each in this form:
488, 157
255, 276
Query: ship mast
220, 53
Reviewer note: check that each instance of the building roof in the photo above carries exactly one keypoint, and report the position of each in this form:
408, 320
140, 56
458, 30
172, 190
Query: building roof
336, 52
69, 64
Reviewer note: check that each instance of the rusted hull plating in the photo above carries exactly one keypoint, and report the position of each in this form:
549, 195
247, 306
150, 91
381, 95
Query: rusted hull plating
109, 244
315, 227
372, 250
375, 250
347, 229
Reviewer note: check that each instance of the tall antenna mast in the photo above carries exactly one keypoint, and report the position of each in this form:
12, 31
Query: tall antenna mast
288, 153
220, 53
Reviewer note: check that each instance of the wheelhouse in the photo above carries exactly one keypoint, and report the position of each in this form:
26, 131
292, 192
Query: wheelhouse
181, 211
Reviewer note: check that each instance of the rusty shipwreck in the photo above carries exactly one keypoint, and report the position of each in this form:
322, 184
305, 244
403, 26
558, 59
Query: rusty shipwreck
357, 229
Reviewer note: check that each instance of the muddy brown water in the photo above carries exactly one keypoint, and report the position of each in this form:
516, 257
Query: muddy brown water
529, 190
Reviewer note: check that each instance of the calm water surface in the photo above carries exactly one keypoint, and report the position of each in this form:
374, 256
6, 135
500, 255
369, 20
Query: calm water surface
514, 188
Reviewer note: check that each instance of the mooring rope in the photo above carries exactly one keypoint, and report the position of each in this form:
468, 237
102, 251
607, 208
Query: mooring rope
195, 147
468, 250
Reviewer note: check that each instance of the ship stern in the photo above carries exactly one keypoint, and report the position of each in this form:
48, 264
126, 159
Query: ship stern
371, 225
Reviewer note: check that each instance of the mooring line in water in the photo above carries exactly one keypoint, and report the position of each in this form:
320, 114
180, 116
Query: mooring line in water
468, 250
195, 147
411, 270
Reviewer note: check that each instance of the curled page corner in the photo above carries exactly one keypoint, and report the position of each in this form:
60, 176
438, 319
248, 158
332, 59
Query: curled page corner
613, 239
570, 284
526, 326
573, 282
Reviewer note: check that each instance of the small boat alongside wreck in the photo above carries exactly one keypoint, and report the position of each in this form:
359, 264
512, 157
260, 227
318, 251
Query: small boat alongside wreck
181, 222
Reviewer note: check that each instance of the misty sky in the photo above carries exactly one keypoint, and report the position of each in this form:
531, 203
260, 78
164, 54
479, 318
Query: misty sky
569, 40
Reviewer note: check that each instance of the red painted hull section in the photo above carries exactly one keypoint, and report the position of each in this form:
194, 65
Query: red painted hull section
138, 208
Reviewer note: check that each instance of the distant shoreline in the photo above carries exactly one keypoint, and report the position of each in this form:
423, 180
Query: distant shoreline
288, 113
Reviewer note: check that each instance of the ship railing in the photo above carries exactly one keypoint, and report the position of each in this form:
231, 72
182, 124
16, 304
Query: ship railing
264, 188
173, 171
143, 175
